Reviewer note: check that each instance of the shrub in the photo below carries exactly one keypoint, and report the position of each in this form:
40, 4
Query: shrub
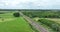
16, 14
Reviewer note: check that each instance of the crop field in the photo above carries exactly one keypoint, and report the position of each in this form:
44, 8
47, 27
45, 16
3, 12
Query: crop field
57, 20
9, 23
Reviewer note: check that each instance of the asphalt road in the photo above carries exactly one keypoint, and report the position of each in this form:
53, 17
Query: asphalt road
34, 24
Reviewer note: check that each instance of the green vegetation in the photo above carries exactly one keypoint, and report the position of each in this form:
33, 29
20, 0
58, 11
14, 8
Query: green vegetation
17, 14
43, 14
57, 20
51, 24
9, 23
43, 25
42, 17
17, 25
33, 28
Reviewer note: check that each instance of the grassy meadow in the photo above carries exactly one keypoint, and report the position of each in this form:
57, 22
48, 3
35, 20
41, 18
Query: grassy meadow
9, 23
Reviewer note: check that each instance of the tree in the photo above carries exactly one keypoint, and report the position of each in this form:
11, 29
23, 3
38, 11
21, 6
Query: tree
17, 14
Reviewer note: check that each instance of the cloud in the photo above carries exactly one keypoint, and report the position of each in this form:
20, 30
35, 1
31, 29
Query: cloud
9, 3
28, 4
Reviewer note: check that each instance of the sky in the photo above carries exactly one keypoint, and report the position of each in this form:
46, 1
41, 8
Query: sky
29, 4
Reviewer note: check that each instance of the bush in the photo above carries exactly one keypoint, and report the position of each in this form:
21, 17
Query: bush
16, 14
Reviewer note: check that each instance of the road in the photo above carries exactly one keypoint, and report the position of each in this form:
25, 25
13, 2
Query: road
34, 24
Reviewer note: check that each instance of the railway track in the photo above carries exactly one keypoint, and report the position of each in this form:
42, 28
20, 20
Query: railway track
34, 24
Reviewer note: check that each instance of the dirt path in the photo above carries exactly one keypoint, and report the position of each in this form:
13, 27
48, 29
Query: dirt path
34, 24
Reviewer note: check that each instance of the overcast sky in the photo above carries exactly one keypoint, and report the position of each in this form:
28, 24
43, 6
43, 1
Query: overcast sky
29, 4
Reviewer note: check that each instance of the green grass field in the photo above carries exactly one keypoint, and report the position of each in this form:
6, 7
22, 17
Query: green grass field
12, 24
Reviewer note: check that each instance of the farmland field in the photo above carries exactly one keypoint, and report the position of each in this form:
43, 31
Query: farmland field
9, 23
57, 20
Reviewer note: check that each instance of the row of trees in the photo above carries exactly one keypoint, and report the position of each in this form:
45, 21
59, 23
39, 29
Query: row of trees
43, 14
